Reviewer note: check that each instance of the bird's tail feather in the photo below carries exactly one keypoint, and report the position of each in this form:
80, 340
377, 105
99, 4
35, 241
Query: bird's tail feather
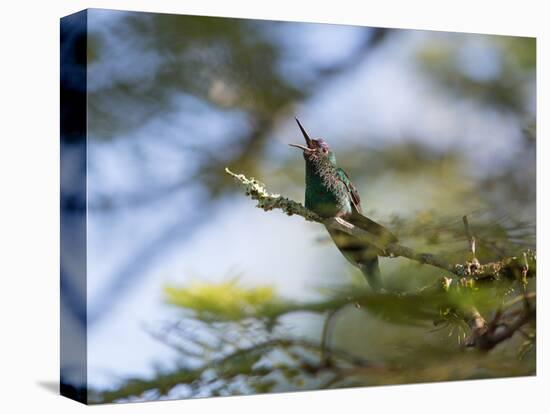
371, 271
360, 254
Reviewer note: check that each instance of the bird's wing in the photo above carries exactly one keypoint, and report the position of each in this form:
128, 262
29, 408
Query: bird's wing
358, 219
354, 195
365, 223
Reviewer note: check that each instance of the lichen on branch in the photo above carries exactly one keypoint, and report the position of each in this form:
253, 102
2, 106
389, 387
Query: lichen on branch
268, 201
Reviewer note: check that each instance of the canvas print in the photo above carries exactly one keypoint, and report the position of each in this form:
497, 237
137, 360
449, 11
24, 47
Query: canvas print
253, 206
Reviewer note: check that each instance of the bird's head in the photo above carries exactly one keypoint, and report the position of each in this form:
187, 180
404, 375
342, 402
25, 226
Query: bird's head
315, 148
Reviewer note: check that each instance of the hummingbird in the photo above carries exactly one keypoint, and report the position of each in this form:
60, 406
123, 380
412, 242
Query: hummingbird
330, 193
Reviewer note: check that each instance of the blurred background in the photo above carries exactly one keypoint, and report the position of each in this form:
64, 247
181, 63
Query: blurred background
430, 126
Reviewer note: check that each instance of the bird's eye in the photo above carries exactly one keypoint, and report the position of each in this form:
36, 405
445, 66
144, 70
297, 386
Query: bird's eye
325, 150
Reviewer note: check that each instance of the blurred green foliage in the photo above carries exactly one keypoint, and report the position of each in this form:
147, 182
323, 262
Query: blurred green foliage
214, 59
224, 301
238, 338
505, 88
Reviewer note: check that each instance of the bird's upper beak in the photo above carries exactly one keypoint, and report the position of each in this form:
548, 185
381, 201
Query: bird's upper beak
309, 142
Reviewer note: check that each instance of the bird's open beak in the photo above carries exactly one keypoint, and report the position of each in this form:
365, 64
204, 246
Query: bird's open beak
306, 137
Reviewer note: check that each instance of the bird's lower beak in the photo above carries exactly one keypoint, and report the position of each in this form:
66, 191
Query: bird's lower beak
302, 147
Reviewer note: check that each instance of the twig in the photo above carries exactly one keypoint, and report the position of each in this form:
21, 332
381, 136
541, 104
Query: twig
496, 331
328, 326
476, 321
471, 241
518, 299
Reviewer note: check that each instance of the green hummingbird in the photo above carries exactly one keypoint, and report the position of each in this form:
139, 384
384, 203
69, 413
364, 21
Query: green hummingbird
330, 193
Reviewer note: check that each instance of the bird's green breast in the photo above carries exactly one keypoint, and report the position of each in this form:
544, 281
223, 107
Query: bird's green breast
326, 194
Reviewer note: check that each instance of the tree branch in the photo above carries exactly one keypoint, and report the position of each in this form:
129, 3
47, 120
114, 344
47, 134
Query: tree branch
508, 267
